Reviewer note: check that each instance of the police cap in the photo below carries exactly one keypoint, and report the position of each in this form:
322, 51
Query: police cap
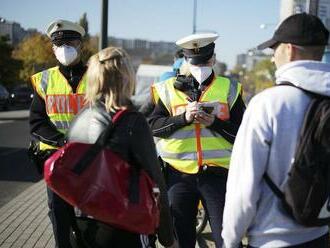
198, 48
62, 30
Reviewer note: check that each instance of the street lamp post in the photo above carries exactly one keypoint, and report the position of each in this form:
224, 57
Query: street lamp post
194, 16
103, 42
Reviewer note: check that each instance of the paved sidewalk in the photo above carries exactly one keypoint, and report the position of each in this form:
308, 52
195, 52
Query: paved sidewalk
14, 115
24, 221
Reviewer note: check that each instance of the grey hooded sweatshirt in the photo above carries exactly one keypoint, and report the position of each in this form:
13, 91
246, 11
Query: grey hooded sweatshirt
266, 142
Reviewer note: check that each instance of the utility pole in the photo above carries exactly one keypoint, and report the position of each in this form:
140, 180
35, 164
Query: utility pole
313, 6
194, 17
103, 41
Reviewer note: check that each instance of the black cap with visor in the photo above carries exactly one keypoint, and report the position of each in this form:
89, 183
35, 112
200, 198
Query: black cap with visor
299, 29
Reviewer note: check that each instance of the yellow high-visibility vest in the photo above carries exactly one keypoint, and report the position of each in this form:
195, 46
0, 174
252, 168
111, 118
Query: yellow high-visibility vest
195, 145
61, 103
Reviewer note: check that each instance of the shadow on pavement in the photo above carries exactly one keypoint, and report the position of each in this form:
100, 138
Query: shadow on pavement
15, 165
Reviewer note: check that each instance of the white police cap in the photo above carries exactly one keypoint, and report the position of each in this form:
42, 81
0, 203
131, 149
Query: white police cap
198, 48
63, 25
194, 41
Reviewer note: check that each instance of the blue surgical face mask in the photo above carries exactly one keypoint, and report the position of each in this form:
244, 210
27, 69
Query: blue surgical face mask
66, 54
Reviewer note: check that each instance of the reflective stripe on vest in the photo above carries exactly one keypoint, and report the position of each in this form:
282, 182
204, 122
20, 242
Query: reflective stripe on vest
195, 145
61, 103
161, 92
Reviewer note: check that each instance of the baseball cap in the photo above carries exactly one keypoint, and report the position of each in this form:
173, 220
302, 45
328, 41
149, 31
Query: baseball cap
198, 48
300, 29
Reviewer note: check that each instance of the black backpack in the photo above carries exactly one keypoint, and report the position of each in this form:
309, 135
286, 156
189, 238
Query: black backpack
306, 195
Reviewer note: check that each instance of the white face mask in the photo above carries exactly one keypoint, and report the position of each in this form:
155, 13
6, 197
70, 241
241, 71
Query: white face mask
200, 73
66, 54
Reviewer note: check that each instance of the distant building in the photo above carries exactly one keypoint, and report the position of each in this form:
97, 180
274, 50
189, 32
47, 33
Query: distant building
324, 12
154, 47
241, 60
253, 57
144, 51
290, 7
250, 59
14, 31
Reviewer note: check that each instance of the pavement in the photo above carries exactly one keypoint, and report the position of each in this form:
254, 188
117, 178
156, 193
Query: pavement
24, 222
14, 115
23, 199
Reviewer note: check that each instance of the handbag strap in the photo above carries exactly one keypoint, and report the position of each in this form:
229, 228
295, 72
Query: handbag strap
100, 143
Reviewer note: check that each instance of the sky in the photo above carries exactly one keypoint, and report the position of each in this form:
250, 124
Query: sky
236, 21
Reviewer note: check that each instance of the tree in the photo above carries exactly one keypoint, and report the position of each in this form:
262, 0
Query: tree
36, 54
9, 67
90, 44
84, 23
89, 48
263, 75
260, 77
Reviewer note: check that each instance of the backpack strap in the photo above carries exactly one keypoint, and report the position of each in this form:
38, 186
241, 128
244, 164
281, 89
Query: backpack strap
134, 181
273, 186
309, 93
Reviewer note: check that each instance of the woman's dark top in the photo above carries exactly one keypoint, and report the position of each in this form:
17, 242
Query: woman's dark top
131, 139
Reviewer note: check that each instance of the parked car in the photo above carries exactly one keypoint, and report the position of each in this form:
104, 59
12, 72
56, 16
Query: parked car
4, 98
21, 95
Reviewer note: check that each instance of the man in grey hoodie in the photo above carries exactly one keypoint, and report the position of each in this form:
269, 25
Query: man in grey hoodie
267, 139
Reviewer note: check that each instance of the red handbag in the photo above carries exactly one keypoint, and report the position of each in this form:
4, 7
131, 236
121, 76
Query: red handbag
103, 185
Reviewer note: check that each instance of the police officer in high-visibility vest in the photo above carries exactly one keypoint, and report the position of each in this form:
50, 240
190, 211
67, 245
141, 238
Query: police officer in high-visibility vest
196, 117
58, 97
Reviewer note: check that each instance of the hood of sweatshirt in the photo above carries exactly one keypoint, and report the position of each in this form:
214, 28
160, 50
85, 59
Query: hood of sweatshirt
310, 75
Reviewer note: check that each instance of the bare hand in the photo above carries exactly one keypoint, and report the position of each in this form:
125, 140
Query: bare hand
204, 118
191, 111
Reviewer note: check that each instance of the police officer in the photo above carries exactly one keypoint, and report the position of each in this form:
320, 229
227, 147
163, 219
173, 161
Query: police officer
58, 96
196, 117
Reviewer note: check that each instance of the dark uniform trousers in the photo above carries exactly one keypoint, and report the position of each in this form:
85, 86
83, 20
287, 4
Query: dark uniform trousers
61, 215
185, 191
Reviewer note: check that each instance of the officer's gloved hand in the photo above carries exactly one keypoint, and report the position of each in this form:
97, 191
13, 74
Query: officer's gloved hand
61, 142
38, 157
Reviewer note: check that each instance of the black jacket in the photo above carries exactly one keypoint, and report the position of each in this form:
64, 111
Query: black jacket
132, 139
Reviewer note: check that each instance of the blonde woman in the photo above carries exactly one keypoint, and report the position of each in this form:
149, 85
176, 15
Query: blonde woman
110, 85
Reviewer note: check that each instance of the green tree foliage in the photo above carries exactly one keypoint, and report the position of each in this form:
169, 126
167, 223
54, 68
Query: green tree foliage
89, 48
90, 44
36, 54
262, 76
84, 23
9, 67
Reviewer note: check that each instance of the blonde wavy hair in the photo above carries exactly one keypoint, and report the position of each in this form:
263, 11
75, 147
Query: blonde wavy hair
110, 79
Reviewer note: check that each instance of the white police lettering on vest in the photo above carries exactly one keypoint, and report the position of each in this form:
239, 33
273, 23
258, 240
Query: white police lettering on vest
64, 103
